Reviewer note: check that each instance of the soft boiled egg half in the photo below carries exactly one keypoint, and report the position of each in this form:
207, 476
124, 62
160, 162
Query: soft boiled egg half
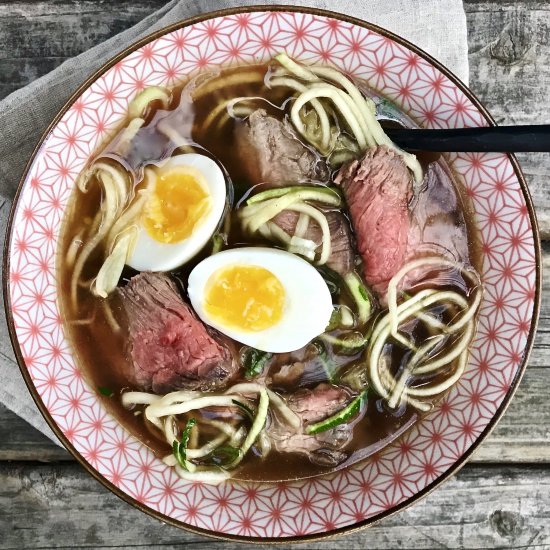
262, 297
184, 202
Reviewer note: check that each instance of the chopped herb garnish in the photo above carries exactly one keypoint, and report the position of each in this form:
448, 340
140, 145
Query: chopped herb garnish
254, 361
348, 343
335, 319
179, 448
249, 413
107, 392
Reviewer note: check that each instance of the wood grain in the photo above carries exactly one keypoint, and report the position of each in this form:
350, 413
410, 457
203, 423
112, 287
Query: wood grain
508, 44
509, 51
481, 507
500, 500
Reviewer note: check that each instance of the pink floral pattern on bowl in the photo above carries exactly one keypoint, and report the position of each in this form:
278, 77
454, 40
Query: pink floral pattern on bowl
363, 492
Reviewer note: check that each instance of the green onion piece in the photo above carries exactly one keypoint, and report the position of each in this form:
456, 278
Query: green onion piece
143, 99
319, 193
361, 296
340, 417
105, 391
254, 361
179, 448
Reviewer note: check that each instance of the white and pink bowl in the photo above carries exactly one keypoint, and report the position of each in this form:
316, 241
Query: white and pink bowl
405, 470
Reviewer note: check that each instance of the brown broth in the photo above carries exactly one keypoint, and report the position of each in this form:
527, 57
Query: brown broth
102, 354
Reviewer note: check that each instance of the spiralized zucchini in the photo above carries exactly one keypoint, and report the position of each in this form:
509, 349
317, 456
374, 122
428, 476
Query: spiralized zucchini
138, 106
428, 372
261, 208
323, 86
119, 206
188, 459
115, 188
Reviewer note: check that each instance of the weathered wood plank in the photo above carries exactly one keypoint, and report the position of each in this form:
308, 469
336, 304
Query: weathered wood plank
509, 70
509, 49
36, 37
481, 507
20, 441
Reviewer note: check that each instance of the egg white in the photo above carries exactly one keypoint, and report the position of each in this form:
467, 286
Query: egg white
308, 303
151, 255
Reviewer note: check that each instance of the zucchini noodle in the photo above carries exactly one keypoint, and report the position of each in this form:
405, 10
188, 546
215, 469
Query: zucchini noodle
114, 187
342, 102
291, 418
109, 316
260, 209
360, 295
219, 83
138, 106
324, 121
426, 360
114, 224
321, 219
72, 251
227, 109
111, 269
301, 226
166, 412
357, 112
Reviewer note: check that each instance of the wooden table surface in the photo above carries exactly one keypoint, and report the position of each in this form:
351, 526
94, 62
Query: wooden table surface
500, 499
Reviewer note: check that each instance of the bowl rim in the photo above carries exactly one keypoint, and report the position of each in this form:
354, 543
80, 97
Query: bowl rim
458, 464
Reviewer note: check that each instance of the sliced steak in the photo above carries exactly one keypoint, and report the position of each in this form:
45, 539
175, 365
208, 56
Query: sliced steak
377, 189
319, 403
438, 225
169, 347
271, 153
341, 257
325, 448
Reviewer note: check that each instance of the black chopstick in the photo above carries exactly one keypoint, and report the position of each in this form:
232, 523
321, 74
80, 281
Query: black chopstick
496, 139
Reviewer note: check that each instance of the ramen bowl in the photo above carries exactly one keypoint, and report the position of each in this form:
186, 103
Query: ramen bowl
400, 473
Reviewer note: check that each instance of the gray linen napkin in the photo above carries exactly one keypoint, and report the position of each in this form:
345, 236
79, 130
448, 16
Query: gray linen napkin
437, 26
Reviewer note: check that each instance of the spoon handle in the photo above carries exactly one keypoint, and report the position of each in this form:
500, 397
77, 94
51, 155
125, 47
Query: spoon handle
494, 139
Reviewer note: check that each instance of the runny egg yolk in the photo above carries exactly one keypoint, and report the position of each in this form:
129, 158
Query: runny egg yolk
244, 297
177, 203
